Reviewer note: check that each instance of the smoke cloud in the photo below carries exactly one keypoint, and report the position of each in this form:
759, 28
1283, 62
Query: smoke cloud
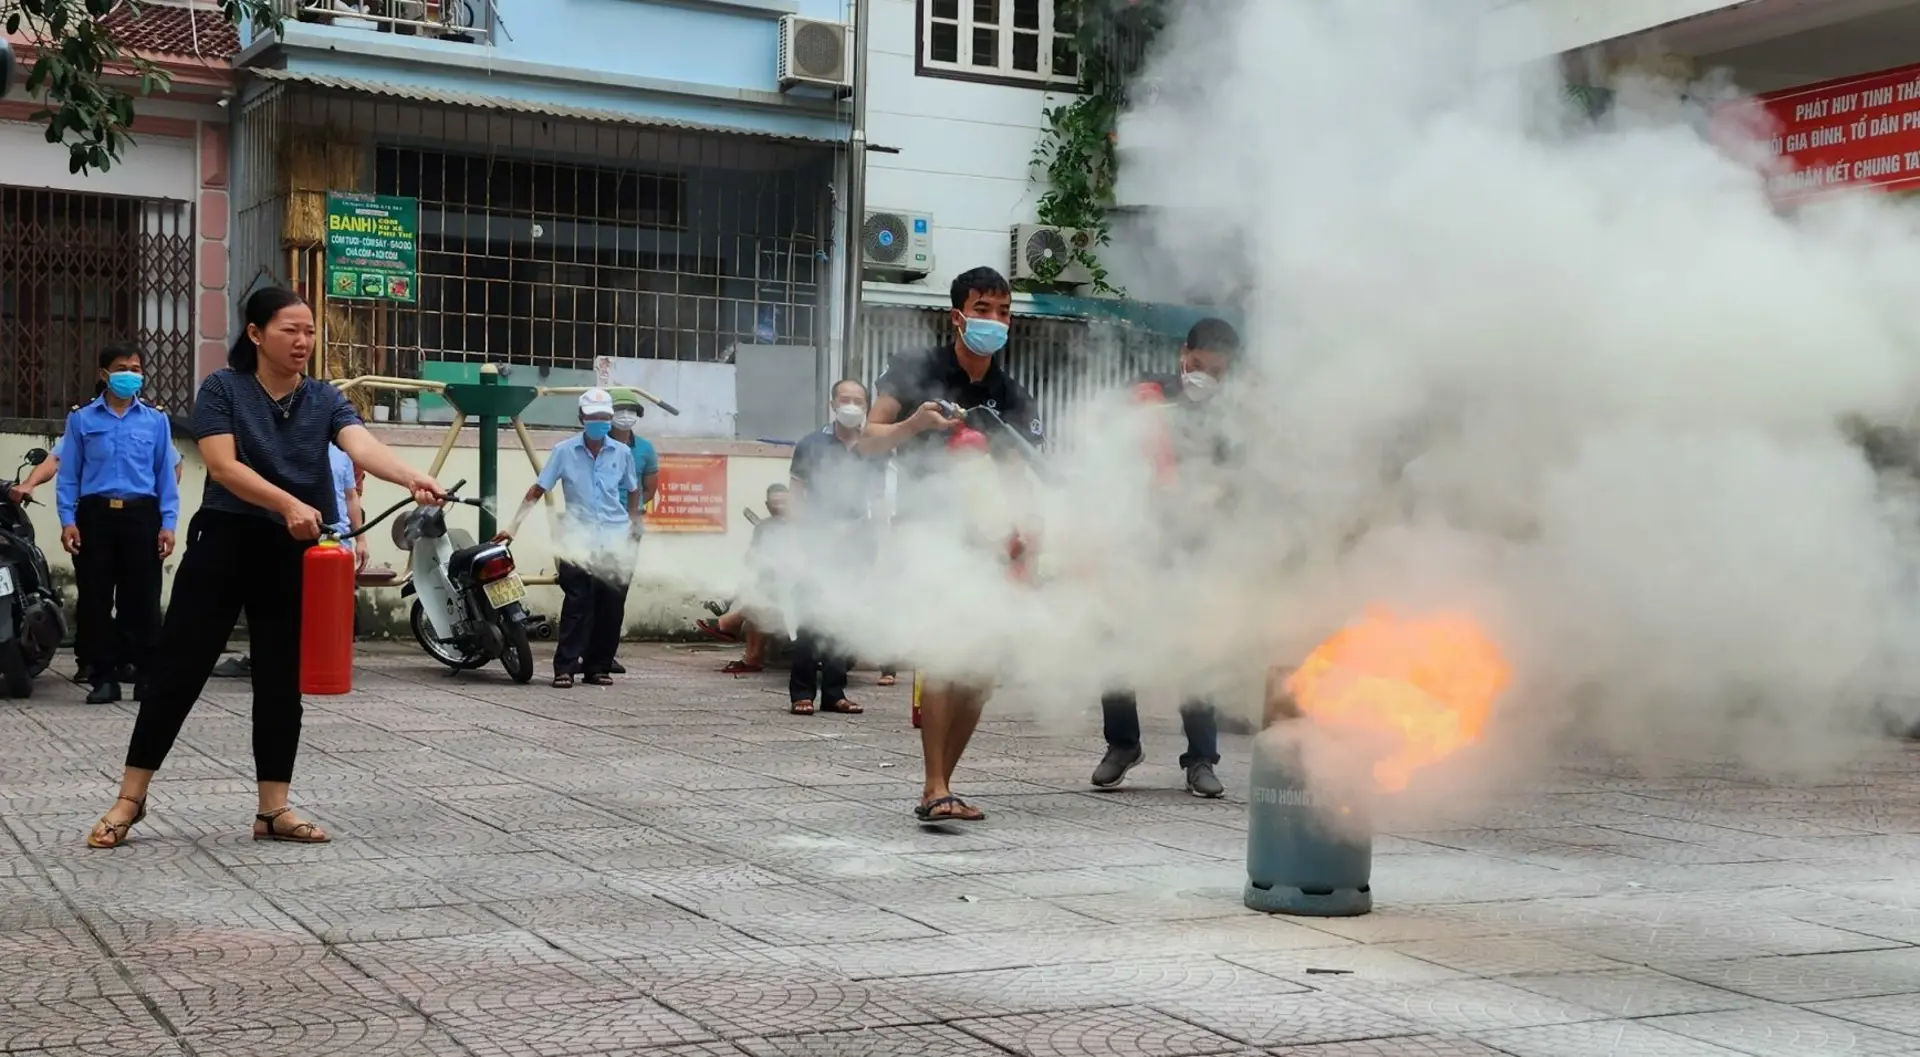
1579, 380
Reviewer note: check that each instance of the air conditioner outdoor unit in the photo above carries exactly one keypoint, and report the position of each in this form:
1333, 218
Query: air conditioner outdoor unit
897, 244
814, 52
1045, 253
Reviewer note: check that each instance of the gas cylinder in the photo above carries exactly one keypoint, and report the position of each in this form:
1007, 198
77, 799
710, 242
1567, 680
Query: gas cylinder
326, 619
1309, 843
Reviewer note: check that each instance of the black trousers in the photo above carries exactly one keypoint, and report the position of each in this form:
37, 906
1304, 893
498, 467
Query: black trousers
1121, 712
591, 618
233, 562
118, 575
820, 666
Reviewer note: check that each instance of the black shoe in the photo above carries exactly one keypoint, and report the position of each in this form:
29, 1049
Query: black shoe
618, 668
1202, 782
125, 674
1115, 764
104, 693
234, 668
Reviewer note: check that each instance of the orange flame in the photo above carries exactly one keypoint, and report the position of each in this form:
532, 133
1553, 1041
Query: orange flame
1421, 690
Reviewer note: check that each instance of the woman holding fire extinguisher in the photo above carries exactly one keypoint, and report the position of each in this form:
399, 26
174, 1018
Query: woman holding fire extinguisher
263, 428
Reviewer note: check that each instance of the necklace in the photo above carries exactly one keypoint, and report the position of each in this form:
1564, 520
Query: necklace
281, 404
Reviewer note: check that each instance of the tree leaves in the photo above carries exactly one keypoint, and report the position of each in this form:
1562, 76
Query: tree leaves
80, 71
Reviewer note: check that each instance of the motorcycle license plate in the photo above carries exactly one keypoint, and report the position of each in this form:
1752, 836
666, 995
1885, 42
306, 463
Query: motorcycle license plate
503, 593
6, 581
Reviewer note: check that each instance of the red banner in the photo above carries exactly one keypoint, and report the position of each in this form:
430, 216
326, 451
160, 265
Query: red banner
1857, 132
692, 495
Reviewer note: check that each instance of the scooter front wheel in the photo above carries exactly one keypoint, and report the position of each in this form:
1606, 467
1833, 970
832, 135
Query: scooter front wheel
517, 657
16, 680
447, 653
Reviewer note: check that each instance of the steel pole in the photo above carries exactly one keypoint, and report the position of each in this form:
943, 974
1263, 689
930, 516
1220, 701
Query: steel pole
489, 456
856, 200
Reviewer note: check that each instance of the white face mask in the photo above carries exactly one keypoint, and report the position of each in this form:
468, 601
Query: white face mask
625, 419
1198, 385
849, 416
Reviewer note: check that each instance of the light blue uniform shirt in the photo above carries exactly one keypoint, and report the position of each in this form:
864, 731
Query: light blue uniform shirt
120, 456
342, 466
595, 487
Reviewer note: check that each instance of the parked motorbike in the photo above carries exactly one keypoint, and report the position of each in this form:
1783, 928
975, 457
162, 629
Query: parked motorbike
32, 624
469, 602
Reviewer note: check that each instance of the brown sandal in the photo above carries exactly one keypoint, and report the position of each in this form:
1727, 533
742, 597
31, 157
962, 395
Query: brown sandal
301, 833
113, 834
802, 708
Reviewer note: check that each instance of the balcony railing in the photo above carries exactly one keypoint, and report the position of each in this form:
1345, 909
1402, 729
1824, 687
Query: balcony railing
459, 21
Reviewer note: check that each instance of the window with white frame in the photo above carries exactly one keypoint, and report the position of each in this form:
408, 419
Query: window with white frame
1024, 40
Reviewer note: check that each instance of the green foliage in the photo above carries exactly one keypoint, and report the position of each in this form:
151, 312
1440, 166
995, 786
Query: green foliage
78, 64
1075, 155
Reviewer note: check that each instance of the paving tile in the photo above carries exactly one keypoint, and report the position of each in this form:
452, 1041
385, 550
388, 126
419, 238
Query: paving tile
1899, 1013
1403, 1046
747, 1002
1286, 1020
921, 1040
113, 1023
1098, 1033
549, 1024
1599, 1038
1473, 1005
1632, 992
1809, 977
1786, 1032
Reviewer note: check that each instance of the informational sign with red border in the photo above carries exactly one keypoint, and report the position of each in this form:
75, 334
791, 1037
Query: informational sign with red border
692, 495
1855, 132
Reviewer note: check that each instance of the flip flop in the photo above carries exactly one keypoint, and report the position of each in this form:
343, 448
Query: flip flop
926, 812
886, 680
712, 630
741, 668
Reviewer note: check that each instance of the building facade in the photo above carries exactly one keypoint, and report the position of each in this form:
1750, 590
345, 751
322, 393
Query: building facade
137, 252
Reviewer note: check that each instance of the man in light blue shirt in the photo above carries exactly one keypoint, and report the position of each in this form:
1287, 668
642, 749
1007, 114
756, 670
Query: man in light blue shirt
594, 547
346, 492
118, 498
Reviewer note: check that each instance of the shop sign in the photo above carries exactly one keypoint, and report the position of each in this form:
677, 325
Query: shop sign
692, 496
1856, 132
372, 246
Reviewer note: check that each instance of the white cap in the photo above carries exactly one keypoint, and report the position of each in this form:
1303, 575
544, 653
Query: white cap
596, 402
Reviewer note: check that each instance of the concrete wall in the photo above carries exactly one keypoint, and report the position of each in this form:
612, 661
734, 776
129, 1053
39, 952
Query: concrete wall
675, 572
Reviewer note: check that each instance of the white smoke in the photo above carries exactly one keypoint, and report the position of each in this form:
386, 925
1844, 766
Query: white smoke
1585, 383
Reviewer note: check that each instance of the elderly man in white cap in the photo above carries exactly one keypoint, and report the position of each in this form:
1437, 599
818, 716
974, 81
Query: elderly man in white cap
594, 549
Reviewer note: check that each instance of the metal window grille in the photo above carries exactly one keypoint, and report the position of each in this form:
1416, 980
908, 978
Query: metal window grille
1064, 363
454, 21
546, 242
80, 271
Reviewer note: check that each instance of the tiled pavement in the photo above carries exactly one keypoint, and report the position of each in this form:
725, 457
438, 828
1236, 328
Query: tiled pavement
676, 867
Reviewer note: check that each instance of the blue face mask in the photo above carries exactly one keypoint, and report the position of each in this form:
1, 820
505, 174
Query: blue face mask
124, 384
598, 429
984, 336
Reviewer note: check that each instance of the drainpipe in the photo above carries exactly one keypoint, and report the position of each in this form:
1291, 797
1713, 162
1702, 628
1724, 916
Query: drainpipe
856, 199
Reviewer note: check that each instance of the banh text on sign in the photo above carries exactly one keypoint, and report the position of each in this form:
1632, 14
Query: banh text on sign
372, 246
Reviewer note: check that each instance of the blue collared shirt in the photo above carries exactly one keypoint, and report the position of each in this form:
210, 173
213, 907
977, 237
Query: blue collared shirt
342, 484
595, 486
120, 456
645, 459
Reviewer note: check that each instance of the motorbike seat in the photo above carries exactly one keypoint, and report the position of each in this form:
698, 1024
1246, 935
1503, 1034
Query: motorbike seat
462, 560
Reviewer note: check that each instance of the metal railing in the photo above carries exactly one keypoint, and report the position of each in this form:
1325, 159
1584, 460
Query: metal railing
79, 271
460, 21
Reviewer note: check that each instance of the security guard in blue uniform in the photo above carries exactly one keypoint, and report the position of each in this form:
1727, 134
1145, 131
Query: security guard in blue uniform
119, 502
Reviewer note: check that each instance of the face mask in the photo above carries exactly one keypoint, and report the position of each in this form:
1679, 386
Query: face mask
598, 429
124, 384
984, 336
625, 420
849, 416
1198, 385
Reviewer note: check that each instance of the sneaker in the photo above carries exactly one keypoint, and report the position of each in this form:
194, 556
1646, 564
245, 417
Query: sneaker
1202, 782
240, 667
1115, 764
105, 692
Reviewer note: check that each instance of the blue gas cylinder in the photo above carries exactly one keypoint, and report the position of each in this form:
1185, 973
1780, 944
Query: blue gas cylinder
1309, 846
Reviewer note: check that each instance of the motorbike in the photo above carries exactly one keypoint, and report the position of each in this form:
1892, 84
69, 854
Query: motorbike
32, 623
468, 600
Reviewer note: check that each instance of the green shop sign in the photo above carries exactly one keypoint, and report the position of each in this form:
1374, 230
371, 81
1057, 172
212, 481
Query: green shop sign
372, 246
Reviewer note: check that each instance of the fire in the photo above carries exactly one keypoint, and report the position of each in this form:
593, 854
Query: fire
1421, 689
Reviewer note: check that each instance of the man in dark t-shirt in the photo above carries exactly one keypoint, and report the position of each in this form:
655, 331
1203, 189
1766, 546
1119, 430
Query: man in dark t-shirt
1187, 442
909, 420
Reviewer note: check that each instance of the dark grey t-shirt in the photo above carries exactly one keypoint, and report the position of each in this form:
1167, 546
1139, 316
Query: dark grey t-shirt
286, 444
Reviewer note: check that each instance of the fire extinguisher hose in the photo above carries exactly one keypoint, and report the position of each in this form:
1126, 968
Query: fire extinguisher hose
397, 507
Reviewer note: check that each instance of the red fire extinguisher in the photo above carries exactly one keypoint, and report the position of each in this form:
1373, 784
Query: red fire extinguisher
326, 619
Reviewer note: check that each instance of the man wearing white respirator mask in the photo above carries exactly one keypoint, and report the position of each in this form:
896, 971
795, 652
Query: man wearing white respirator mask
834, 488
1189, 440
